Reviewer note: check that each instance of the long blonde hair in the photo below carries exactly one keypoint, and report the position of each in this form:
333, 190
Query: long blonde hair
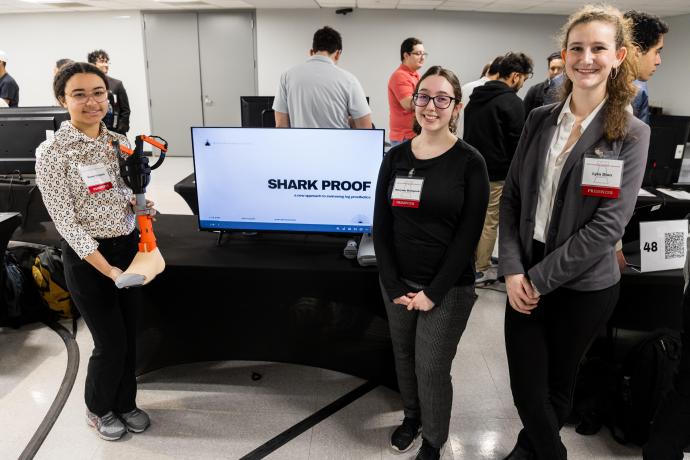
620, 89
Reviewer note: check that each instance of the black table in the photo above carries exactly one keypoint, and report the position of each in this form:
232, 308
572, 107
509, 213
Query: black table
289, 298
649, 300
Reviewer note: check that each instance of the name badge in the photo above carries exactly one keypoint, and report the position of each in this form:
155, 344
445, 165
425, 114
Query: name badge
601, 177
96, 177
407, 191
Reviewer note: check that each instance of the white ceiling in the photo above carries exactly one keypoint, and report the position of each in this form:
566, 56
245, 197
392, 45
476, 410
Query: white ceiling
563, 7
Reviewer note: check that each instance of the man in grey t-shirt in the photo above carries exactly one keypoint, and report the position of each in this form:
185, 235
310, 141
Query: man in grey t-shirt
317, 93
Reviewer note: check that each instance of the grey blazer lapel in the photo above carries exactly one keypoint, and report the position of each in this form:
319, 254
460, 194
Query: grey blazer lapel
591, 135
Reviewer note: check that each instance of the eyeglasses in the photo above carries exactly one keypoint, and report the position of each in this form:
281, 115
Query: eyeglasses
440, 102
420, 53
100, 95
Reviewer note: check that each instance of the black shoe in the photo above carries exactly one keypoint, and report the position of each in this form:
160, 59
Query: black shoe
403, 437
428, 452
520, 453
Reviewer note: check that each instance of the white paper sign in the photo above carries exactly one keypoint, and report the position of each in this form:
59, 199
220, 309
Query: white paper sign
663, 245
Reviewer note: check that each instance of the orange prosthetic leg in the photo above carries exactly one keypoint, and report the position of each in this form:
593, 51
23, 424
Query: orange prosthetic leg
148, 262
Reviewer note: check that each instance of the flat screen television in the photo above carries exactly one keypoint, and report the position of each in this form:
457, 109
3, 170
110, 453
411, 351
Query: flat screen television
669, 133
22, 129
257, 111
286, 180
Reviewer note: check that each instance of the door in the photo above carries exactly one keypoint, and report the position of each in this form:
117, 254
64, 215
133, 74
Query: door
226, 53
172, 55
198, 64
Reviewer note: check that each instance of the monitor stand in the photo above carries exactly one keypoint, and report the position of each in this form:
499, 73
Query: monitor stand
219, 242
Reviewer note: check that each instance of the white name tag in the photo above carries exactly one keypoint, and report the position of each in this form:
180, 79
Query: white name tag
407, 191
602, 177
96, 177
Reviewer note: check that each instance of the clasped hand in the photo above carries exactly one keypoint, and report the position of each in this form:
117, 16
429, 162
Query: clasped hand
521, 295
415, 301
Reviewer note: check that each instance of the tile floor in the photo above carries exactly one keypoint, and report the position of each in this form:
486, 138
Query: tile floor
214, 410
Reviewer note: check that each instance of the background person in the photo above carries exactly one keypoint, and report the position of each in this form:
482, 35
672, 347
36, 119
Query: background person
401, 85
493, 122
536, 94
424, 246
319, 94
117, 118
9, 89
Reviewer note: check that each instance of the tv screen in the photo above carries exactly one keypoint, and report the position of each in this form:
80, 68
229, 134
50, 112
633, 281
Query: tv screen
288, 180
667, 140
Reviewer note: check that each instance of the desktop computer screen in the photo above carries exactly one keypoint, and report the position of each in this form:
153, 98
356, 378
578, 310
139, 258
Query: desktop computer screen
22, 130
287, 180
669, 134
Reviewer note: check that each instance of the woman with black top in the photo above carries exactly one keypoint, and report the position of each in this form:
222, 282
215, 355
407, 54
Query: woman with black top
431, 200
78, 174
569, 193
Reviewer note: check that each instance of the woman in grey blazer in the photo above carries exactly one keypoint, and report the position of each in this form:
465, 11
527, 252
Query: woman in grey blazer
570, 191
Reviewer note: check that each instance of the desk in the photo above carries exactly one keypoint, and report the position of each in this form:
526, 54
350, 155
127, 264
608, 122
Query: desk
648, 301
289, 298
25, 199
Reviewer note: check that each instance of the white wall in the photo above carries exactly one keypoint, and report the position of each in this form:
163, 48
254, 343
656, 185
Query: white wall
35, 41
669, 86
461, 41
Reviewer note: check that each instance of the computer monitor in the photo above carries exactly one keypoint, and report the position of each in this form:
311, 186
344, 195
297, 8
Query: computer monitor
669, 134
303, 180
257, 111
21, 131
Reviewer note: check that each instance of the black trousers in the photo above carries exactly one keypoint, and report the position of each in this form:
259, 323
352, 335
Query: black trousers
110, 315
670, 431
544, 352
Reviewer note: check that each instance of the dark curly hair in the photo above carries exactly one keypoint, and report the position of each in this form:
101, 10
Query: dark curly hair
327, 39
457, 90
514, 62
95, 55
68, 71
647, 29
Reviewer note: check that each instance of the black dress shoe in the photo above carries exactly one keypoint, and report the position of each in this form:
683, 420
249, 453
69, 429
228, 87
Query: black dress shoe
520, 453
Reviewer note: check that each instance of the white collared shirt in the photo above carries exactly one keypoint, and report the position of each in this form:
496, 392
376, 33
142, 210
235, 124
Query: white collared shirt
555, 159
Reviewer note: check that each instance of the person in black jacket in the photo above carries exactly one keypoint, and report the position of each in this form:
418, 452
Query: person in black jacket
493, 124
536, 94
117, 118
431, 197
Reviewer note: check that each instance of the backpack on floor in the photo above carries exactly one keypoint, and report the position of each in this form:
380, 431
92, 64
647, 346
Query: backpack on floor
19, 300
49, 275
645, 378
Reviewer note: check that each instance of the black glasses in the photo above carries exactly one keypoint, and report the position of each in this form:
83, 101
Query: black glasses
440, 102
